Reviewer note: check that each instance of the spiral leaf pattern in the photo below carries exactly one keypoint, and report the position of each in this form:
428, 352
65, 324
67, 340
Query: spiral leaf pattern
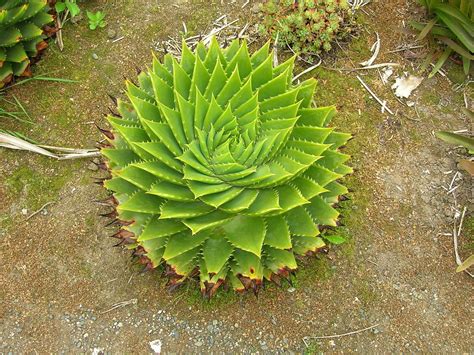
222, 169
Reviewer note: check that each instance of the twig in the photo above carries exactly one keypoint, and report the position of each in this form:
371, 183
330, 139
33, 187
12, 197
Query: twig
245, 4
373, 95
345, 334
118, 39
307, 70
120, 305
59, 34
42, 208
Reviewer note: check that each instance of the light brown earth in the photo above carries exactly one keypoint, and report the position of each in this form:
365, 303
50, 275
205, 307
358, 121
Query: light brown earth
60, 273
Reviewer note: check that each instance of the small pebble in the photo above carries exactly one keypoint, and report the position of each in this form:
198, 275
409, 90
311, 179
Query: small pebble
24, 211
92, 167
111, 34
291, 290
95, 56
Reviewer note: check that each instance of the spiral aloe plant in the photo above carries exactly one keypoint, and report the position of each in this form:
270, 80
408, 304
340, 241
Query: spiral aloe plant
221, 169
22, 25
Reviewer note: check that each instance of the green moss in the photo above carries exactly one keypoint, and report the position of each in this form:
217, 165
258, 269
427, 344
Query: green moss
365, 292
430, 97
6, 222
313, 348
313, 269
37, 185
203, 10
468, 228
191, 295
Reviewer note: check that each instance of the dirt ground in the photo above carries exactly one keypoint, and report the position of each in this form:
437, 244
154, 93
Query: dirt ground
61, 278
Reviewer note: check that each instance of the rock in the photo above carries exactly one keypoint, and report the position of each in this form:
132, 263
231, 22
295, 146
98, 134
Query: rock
24, 211
92, 167
291, 290
77, 18
111, 34
255, 8
95, 56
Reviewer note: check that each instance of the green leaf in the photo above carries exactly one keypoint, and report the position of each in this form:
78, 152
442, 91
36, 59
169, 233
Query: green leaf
458, 28
210, 220
60, 6
178, 209
278, 234
183, 242
159, 228
457, 139
246, 233
301, 223
143, 203
466, 264
427, 29
277, 259
216, 253
335, 239
73, 8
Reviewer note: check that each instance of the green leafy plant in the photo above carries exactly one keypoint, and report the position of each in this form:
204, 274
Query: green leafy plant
222, 169
452, 25
68, 5
464, 141
96, 20
307, 26
23, 30
457, 139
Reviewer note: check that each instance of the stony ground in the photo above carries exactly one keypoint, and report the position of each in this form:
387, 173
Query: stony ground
65, 289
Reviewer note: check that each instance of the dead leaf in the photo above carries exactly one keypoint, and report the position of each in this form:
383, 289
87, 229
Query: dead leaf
467, 165
405, 85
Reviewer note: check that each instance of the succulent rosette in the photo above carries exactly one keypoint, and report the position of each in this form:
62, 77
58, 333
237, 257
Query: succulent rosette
222, 168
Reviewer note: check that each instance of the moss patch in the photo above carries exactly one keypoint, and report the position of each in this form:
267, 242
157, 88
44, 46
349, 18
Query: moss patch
37, 184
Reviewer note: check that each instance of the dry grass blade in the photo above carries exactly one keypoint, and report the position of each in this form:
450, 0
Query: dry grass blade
307, 70
223, 29
11, 142
382, 103
375, 49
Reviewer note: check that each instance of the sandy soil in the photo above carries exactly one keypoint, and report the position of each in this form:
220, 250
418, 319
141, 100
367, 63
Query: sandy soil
61, 277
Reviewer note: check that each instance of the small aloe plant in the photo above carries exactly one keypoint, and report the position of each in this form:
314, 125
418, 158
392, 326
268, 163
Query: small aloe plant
23, 30
222, 169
